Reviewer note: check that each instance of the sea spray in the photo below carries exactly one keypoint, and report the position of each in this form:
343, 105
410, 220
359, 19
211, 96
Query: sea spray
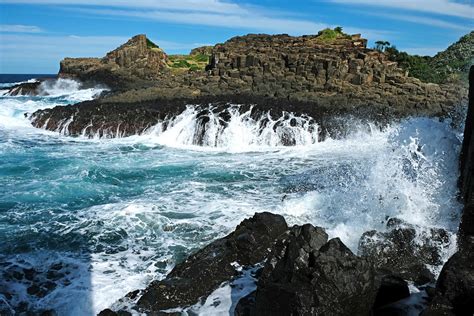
117, 213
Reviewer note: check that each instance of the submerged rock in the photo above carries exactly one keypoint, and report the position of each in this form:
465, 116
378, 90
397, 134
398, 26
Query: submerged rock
205, 270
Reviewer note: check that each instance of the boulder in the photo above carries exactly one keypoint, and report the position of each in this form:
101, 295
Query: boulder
205, 270
454, 294
305, 275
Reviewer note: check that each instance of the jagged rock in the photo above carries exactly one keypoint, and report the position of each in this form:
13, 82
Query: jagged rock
305, 275
454, 293
128, 66
392, 289
404, 251
205, 270
466, 179
26, 88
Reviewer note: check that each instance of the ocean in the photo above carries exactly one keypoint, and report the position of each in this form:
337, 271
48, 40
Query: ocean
89, 220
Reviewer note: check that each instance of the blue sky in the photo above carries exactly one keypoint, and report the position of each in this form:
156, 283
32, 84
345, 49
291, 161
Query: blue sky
36, 34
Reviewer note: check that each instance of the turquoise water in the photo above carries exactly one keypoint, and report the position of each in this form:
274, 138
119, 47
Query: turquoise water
116, 213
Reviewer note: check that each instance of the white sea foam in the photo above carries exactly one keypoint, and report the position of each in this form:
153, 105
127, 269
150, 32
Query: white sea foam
147, 201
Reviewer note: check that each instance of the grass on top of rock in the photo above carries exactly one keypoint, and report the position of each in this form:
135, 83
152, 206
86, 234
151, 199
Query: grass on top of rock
330, 35
194, 62
150, 44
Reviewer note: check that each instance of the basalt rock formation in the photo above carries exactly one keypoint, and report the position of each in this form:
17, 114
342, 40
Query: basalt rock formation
332, 77
133, 64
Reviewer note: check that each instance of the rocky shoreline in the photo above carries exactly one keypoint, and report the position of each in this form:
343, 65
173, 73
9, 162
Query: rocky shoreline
304, 273
306, 74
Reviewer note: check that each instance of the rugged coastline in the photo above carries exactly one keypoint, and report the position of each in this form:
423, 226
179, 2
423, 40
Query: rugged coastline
308, 75
298, 269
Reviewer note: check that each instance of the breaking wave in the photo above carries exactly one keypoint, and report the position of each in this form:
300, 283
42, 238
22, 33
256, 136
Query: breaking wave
97, 218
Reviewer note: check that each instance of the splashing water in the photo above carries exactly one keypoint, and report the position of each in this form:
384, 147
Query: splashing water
105, 217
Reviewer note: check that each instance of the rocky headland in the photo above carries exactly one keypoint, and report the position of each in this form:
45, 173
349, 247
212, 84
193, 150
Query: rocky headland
316, 75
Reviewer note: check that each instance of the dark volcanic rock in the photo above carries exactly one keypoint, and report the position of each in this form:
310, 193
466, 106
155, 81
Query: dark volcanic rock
454, 294
466, 183
27, 88
305, 275
205, 270
404, 250
455, 287
392, 289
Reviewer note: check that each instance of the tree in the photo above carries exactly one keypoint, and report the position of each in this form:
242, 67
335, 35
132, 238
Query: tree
338, 29
381, 45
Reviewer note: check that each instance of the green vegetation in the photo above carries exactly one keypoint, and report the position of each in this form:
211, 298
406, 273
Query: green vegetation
381, 46
417, 66
329, 35
193, 62
451, 65
150, 44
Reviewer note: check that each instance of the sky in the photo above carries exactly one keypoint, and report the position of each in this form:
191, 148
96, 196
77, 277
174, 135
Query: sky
36, 34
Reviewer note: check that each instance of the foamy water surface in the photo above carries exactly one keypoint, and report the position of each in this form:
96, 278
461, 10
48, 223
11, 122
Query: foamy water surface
118, 213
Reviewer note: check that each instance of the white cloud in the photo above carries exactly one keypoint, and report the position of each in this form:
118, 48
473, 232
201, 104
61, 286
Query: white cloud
216, 6
197, 12
18, 28
422, 20
442, 7
247, 20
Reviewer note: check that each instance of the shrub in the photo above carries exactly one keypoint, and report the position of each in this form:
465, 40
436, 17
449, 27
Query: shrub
328, 34
150, 44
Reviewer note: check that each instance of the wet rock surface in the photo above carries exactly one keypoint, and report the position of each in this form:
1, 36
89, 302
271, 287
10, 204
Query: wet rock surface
308, 276
27, 88
454, 293
205, 270
303, 274
405, 249
101, 118
19, 281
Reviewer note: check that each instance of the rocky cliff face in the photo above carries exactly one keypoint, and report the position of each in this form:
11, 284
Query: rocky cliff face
454, 293
138, 59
